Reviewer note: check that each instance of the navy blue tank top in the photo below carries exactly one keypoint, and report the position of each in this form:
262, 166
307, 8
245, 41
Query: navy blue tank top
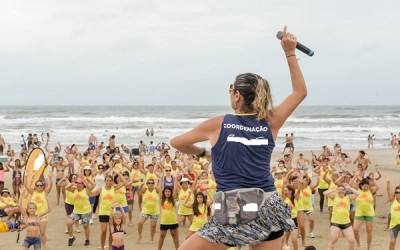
242, 154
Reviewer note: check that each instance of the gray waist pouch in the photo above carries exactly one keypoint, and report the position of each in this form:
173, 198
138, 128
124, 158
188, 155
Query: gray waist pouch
238, 206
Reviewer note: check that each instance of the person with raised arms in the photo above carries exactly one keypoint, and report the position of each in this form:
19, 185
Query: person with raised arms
242, 145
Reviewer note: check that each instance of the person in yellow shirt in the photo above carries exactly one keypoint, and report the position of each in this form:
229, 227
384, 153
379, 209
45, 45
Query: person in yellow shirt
8, 204
340, 221
169, 219
305, 206
323, 185
364, 209
107, 195
137, 181
150, 210
279, 181
289, 197
184, 192
39, 194
82, 210
394, 225
201, 211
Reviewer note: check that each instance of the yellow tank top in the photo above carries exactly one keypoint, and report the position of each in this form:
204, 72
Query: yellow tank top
182, 210
40, 200
307, 199
278, 185
299, 202
69, 197
168, 164
106, 199
365, 204
199, 220
212, 187
120, 167
85, 162
9, 201
292, 206
151, 202
197, 168
2, 205
120, 197
81, 204
395, 213
341, 210
322, 183
136, 175
332, 185
168, 214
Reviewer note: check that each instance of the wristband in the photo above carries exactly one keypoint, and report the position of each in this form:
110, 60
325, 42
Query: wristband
202, 154
290, 55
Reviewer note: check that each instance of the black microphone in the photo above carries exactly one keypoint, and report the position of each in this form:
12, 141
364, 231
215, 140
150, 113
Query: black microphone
299, 46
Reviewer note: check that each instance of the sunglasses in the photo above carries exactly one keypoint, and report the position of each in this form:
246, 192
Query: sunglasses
397, 192
150, 183
39, 185
168, 170
232, 88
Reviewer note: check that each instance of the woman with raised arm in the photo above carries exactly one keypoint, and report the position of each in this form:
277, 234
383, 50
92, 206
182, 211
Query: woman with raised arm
242, 145
340, 221
394, 212
39, 196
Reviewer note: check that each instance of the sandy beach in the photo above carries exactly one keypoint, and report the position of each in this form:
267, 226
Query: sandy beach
384, 159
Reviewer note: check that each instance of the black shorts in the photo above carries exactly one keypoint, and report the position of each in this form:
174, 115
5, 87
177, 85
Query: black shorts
341, 226
104, 218
170, 227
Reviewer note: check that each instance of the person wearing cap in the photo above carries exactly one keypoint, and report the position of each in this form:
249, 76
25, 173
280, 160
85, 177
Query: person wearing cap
8, 204
279, 182
150, 209
82, 210
185, 193
39, 194
242, 146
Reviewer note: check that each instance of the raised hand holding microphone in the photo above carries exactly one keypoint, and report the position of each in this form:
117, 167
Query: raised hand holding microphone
288, 43
298, 45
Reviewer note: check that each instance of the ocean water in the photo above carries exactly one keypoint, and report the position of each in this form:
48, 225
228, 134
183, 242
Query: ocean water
313, 126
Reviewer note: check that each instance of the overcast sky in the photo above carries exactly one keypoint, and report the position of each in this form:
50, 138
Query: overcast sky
143, 52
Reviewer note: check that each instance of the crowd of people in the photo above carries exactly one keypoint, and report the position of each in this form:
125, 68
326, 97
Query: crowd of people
177, 190
170, 190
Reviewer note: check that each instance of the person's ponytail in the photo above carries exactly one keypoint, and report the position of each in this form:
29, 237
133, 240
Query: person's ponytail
262, 104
